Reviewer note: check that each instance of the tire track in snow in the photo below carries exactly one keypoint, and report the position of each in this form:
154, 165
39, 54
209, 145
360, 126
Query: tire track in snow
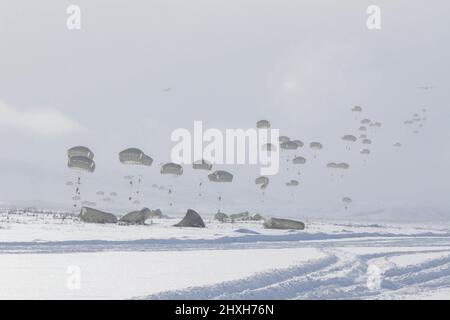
339, 275
257, 281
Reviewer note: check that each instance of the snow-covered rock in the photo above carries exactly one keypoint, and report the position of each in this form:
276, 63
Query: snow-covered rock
274, 223
240, 216
220, 216
191, 219
140, 216
96, 216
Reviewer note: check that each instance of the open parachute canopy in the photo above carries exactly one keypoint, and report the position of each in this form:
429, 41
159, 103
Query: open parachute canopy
356, 109
331, 165
80, 151
341, 165
263, 181
349, 137
172, 168
263, 124
202, 165
220, 176
81, 163
316, 146
299, 160
135, 156
292, 183
289, 145
346, 200
299, 143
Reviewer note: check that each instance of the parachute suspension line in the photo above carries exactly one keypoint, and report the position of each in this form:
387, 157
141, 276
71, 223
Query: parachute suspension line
200, 188
130, 198
138, 191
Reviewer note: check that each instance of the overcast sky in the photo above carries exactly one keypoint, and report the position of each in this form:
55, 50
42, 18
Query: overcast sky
300, 64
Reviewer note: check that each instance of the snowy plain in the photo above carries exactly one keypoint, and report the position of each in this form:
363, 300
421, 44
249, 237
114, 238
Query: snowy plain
241, 260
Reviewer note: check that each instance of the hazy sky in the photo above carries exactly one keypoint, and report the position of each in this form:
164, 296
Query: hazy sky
300, 64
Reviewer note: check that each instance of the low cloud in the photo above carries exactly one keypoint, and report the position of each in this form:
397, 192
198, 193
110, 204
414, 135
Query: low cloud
39, 121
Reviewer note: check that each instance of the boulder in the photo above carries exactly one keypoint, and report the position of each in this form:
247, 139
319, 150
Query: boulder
220, 216
257, 217
96, 216
191, 219
139, 217
274, 223
240, 216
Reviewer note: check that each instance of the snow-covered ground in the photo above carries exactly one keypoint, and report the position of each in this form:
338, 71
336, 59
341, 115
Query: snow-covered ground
42, 255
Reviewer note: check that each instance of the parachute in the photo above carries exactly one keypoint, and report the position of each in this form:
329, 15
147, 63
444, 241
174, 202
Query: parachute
282, 139
263, 181
289, 145
298, 142
365, 151
342, 165
349, 137
201, 165
331, 165
365, 121
134, 156
81, 160
81, 163
347, 202
263, 124
80, 151
367, 141
398, 144
220, 176
292, 183
172, 169
316, 146
362, 128
356, 109
299, 160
